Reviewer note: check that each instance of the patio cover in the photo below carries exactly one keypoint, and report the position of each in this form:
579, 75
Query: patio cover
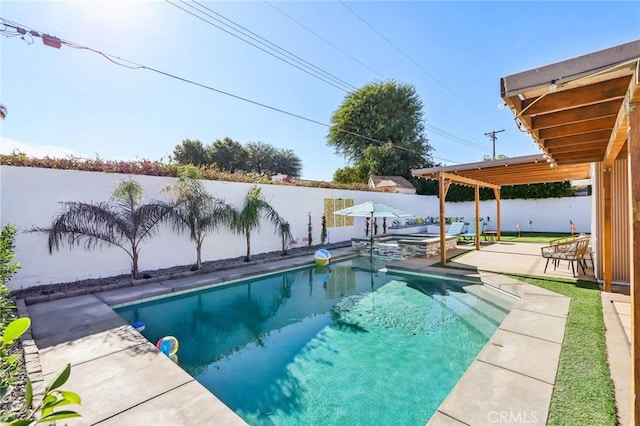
587, 110
511, 171
577, 110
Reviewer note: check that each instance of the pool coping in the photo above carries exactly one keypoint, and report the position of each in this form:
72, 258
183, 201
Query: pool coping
511, 380
108, 354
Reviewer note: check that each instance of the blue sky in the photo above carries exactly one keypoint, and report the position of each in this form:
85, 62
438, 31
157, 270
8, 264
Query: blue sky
72, 101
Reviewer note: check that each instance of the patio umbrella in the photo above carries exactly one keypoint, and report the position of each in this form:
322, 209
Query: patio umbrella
372, 209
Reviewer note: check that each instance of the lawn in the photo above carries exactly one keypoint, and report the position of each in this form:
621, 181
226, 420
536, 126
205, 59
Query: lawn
583, 394
532, 237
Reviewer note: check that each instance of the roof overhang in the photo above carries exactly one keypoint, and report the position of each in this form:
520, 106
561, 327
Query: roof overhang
510, 171
576, 110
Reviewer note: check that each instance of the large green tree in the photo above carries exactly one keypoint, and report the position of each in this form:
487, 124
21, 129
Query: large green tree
124, 222
288, 163
381, 125
191, 152
261, 157
229, 155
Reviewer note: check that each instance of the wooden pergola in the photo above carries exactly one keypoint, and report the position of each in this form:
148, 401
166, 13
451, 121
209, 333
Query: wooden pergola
584, 113
494, 174
586, 110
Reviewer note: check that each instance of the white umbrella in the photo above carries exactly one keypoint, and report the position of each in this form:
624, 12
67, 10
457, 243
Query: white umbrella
372, 209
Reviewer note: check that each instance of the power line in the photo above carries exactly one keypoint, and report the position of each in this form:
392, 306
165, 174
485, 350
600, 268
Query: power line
454, 138
136, 66
338, 48
267, 46
410, 58
333, 76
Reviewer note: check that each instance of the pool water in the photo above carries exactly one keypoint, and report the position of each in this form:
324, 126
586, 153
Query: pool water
339, 345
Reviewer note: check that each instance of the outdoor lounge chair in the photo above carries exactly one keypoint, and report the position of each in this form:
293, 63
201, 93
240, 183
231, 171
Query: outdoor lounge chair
471, 232
572, 251
455, 228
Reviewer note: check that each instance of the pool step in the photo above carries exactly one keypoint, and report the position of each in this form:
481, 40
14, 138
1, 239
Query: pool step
492, 296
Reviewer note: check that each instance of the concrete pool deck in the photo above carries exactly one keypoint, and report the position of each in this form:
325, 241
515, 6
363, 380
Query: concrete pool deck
123, 379
511, 381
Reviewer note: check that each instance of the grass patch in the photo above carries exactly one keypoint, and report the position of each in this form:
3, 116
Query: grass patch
532, 237
583, 394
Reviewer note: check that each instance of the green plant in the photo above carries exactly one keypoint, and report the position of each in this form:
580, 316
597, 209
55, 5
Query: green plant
7, 269
246, 219
309, 231
7, 244
197, 210
284, 231
54, 398
157, 168
323, 231
125, 222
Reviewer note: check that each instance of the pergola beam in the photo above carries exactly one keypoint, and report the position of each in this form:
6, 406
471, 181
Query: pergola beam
602, 123
468, 181
576, 115
620, 128
584, 95
598, 135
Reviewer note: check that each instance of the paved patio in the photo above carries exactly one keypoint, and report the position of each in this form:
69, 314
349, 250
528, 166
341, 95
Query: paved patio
515, 258
123, 379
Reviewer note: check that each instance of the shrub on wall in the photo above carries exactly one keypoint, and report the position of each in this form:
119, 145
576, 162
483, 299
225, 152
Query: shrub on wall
156, 168
459, 193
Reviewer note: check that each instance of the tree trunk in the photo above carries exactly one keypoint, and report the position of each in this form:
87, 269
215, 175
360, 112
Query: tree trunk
134, 264
198, 255
248, 257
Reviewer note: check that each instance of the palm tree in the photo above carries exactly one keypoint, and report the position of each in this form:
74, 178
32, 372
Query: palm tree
248, 218
122, 222
196, 210
283, 229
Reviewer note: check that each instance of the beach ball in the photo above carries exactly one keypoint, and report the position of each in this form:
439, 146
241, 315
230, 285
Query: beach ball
322, 257
168, 345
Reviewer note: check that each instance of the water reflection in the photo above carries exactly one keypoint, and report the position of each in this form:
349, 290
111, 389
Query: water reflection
213, 324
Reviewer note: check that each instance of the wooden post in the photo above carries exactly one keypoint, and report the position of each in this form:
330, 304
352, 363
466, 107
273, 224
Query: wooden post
496, 193
607, 246
477, 194
443, 193
633, 147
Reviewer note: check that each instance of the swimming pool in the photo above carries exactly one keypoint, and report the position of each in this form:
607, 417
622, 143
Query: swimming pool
337, 345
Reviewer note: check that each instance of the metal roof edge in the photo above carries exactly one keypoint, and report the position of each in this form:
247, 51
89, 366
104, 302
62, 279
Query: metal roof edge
564, 70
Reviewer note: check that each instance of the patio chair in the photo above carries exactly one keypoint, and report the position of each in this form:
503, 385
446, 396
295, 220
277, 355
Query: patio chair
455, 228
471, 232
572, 251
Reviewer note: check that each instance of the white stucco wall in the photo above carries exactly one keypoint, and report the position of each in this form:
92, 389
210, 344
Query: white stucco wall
31, 197
546, 214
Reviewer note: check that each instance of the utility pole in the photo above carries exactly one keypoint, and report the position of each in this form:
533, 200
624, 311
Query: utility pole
493, 137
